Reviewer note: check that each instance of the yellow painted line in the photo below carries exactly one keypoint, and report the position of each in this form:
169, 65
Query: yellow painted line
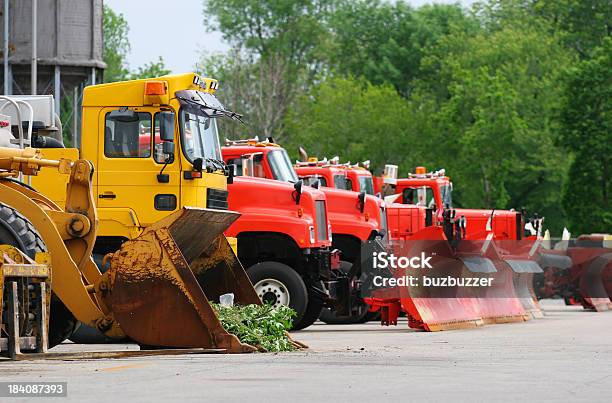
122, 367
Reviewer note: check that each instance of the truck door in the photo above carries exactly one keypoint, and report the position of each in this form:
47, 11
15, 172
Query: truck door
129, 193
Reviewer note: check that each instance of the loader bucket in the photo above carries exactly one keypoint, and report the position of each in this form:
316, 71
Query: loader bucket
161, 282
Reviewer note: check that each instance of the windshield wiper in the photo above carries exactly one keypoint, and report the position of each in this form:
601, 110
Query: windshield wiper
222, 112
219, 164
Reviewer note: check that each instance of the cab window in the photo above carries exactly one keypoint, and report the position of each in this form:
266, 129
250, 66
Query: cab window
420, 196
366, 185
258, 166
314, 179
349, 184
128, 139
158, 154
340, 182
249, 166
238, 163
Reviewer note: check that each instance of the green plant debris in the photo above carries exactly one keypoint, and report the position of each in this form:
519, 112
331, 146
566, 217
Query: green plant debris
261, 326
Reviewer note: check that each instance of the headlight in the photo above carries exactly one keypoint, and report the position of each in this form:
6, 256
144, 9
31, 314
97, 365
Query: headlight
311, 230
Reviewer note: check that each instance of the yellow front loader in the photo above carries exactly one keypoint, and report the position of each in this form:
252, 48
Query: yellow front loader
159, 284
148, 150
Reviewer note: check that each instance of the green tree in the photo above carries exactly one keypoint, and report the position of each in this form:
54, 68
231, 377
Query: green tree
385, 42
116, 45
276, 47
583, 23
492, 98
586, 132
353, 119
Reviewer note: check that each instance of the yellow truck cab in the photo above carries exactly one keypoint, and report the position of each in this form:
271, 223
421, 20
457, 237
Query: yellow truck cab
155, 148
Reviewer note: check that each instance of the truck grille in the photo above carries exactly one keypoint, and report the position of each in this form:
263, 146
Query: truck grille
216, 199
321, 220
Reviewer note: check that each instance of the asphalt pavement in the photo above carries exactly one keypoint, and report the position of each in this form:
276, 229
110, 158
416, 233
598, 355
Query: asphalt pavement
567, 355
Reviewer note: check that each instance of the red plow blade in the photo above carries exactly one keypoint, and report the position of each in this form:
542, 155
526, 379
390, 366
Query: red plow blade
465, 287
586, 279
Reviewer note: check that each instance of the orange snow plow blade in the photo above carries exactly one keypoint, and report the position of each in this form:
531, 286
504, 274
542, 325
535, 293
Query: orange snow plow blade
161, 282
524, 271
497, 302
520, 256
428, 308
446, 308
596, 274
587, 277
469, 284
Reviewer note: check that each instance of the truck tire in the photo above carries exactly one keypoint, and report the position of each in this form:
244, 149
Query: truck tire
313, 311
276, 283
16, 230
328, 316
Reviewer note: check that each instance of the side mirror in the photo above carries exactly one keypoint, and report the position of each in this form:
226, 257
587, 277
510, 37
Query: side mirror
123, 114
166, 125
361, 201
167, 155
230, 170
297, 193
197, 164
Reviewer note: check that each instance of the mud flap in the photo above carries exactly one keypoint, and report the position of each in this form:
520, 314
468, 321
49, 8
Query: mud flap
161, 282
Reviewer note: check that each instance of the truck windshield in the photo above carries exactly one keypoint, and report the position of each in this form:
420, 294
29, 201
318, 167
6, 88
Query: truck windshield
200, 137
366, 185
281, 166
446, 193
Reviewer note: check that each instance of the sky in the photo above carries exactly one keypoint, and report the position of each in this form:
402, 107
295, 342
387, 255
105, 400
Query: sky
180, 45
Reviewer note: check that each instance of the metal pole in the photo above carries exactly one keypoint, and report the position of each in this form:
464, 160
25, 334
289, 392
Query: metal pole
34, 78
75, 121
57, 88
5, 48
93, 76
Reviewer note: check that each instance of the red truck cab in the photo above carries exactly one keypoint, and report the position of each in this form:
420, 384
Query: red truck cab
355, 217
350, 209
433, 190
284, 237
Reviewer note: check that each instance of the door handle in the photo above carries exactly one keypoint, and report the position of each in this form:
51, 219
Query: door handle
109, 195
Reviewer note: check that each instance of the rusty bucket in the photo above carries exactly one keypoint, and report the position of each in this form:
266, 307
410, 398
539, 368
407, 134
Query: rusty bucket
162, 282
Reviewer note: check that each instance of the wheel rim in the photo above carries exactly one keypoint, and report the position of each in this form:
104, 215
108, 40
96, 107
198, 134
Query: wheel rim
273, 292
